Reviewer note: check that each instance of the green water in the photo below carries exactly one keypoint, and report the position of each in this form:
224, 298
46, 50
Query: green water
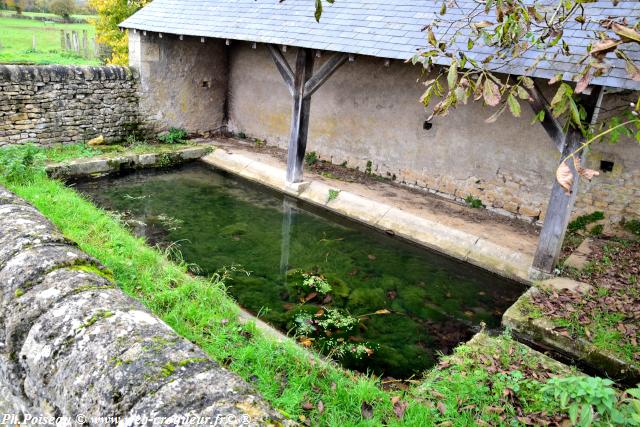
220, 220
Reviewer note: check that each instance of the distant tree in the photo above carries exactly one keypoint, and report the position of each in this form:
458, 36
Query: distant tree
110, 14
62, 8
17, 5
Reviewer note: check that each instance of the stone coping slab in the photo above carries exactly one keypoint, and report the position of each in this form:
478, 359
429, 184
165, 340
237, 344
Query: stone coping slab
73, 344
439, 237
93, 166
541, 332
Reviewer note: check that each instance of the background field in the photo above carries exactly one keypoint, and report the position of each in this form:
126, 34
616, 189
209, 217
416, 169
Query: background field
16, 38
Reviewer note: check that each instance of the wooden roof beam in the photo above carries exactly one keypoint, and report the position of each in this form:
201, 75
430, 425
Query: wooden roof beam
323, 74
549, 123
283, 67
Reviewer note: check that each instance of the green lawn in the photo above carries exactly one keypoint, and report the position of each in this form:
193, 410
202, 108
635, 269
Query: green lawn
16, 38
46, 15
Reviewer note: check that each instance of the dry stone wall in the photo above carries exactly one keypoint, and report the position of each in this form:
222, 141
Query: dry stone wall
49, 104
73, 345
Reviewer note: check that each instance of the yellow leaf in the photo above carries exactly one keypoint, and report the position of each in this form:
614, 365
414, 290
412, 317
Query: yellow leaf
587, 174
383, 311
491, 93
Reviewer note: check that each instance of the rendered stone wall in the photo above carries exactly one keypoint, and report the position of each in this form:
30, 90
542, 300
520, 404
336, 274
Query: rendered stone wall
368, 112
72, 344
183, 83
51, 104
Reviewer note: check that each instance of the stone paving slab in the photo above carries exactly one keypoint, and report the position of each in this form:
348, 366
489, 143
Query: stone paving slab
542, 332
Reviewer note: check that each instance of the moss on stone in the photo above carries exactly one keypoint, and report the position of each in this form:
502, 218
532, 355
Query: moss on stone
18, 293
101, 314
102, 272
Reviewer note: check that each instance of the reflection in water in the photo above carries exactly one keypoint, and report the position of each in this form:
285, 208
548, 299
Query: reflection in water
431, 302
287, 218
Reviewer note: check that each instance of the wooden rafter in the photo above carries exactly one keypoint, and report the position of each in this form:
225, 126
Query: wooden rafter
283, 66
323, 74
549, 123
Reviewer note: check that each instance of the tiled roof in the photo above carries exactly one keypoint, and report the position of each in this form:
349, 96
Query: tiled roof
382, 28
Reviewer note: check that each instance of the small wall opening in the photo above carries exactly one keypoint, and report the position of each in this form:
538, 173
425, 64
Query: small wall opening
606, 166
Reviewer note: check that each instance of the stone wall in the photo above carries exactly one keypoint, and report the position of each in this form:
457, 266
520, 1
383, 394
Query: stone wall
49, 104
72, 344
183, 82
369, 112
367, 115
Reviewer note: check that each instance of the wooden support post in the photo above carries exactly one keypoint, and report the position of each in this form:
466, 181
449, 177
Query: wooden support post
302, 85
560, 203
557, 215
299, 116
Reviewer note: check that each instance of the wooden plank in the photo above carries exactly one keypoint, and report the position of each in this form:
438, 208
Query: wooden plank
283, 67
550, 124
323, 74
299, 116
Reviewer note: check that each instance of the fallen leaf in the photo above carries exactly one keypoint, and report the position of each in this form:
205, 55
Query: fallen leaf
311, 296
307, 406
366, 411
442, 408
399, 408
371, 257
334, 386
320, 407
383, 311
626, 33
306, 342
494, 409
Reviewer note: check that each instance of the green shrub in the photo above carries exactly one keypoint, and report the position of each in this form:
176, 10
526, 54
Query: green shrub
20, 164
582, 221
173, 136
597, 230
333, 194
633, 226
311, 158
473, 202
589, 399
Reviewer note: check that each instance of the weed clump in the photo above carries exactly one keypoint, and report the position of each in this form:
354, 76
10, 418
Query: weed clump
173, 136
581, 222
21, 164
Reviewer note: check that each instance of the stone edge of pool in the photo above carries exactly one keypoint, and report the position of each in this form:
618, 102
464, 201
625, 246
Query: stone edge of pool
441, 238
92, 166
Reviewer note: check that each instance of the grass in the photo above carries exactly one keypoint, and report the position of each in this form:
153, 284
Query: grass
58, 153
16, 36
484, 383
46, 15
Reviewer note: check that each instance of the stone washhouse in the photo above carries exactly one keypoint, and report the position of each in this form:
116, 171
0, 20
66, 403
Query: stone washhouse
343, 88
